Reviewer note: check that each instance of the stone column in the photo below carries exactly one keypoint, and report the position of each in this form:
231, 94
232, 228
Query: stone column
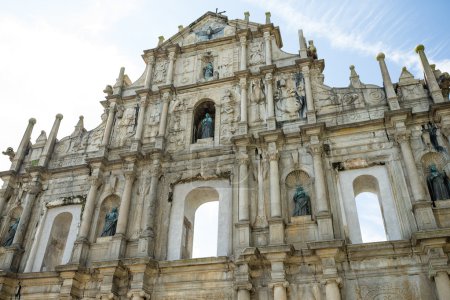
88, 212
442, 285
422, 208
269, 95
150, 60
21, 150
302, 42
163, 119
268, 46
48, 148
243, 186
243, 85
391, 96
433, 86
332, 290
125, 203
169, 78
310, 113
319, 179
33, 189
279, 291
109, 123
243, 293
140, 122
274, 179
243, 41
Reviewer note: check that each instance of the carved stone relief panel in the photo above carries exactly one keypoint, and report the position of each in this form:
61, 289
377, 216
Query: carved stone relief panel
257, 98
186, 70
125, 127
177, 125
225, 67
152, 119
160, 72
256, 53
289, 96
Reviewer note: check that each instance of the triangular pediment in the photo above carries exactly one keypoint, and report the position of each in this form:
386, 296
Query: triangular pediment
208, 27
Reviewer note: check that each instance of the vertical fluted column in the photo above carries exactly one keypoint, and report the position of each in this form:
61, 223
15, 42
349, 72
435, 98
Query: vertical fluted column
309, 95
48, 148
243, 85
150, 60
140, 122
319, 179
269, 96
268, 46
169, 78
21, 150
442, 285
125, 203
109, 124
433, 86
391, 96
417, 189
274, 179
243, 187
163, 119
33, 189
88, 212
243, 41
332, 290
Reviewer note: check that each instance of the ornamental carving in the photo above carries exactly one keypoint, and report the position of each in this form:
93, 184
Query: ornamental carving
256, 54
160, 72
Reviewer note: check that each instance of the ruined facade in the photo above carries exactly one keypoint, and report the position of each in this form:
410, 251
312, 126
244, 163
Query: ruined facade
221, 114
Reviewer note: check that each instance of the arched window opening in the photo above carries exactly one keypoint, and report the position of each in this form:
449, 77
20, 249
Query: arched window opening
204, 118
57, 242
370, 218
205, 230
369, 211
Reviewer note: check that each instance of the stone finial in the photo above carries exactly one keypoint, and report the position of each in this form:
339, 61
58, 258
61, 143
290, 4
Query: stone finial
419, 48
160, 40
380, 56
354, 78
406, 77
59, 116
180, 27
42, 138
79, 128
268, 15
32, 121
302, 43
246, 16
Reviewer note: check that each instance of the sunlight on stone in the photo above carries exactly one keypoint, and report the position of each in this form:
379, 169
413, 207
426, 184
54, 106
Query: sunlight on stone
205, 230
370, 218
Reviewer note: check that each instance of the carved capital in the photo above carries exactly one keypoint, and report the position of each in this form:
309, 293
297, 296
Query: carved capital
243, 286
243, 82
305, 71
266, 35
402, 137
138, 295
142, 101
149, 59
243, 41
337, 281
155, 170
242, 159
33, 187
94, 181
283, 284
316, 149
172, 55
166, 97
268, 77
273, 155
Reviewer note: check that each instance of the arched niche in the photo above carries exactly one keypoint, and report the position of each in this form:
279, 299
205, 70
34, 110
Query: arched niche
57, 240
200, 111
373, 179
12, 217
110, 202
187, 198
54, 225
293, 180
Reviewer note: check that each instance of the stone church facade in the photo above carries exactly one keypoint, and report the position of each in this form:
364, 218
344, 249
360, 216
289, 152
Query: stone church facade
221, 114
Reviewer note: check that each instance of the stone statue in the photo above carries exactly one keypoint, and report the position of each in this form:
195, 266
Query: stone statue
11, 233
302, 203
432, 131
10, 153
208, 71
109, 229
312, 51
438, 184
206, 127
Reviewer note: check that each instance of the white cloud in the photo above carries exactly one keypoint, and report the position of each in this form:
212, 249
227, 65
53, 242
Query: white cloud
350, 26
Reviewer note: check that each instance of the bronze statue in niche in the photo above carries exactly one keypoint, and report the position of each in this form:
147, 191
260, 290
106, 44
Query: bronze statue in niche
302, 202
109, 229
438, 184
